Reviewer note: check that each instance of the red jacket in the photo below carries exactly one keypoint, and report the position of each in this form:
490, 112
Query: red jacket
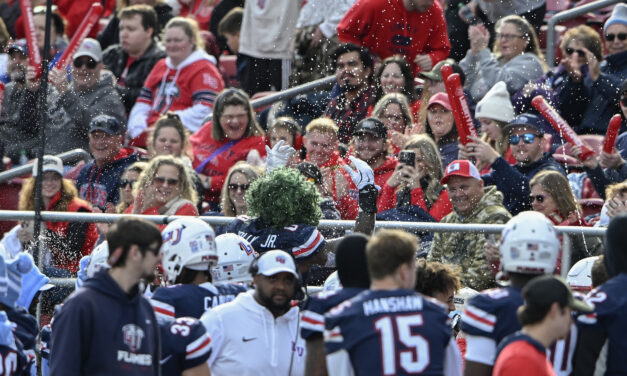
383, 172
348, 205
440, 208
61, 256
186, 209
386, 28
203, 146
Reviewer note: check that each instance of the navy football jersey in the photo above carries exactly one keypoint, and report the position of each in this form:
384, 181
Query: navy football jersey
26, 331
608, 321
184, 344
390, 332
303, 241
312, 320
491, 314
192, 300
13, 361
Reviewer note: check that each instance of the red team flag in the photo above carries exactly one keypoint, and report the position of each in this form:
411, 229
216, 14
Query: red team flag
84, 28
549, 113
612, 132
34, 58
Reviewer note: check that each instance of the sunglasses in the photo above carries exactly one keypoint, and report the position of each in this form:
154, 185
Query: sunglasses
539, 198
235, 187
155, 251
570, 51
161, 181
527, 138
620, 36
89, 62
125, 182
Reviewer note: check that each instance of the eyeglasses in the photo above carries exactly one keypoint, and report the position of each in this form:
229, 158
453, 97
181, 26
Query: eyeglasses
610, 37
89, 62
570, 51
527, 138
227, 118
507, 36
539, 198
235, 187
161, 181
126, 182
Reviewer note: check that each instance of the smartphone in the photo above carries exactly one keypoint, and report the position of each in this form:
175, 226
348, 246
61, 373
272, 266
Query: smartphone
407, 157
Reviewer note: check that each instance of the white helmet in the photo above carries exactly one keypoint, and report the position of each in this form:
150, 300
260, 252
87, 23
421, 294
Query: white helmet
190, 243
234, 257
332, 283
98, 259
580, 275
529, 244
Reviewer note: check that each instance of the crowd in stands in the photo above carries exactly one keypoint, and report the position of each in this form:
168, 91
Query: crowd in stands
161, 94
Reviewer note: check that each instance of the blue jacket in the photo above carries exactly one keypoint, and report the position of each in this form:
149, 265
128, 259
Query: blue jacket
98, 186
513, 181
100, 330
596, 102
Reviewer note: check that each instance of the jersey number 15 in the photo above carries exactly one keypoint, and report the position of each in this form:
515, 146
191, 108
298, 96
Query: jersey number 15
398, 328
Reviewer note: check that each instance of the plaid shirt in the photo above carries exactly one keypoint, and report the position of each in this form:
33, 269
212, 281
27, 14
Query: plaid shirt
347, 116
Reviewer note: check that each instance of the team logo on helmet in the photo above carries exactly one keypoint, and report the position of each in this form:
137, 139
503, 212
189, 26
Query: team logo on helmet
133, 336
173, 236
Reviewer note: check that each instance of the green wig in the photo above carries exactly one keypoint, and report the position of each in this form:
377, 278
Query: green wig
284, 198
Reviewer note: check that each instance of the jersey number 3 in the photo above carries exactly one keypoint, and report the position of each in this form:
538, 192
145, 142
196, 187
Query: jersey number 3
398, 329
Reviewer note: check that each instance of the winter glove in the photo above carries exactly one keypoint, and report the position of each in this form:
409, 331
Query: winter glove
364, 180
278, 155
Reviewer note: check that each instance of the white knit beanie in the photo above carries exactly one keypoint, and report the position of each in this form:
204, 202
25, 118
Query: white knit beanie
619, 16
496, 104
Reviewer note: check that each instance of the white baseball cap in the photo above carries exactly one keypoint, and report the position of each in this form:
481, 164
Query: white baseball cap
51, 163
274, 262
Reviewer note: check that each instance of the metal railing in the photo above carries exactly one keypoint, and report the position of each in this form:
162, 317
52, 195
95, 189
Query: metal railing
567, 15
288, 93
324, 224
69, 156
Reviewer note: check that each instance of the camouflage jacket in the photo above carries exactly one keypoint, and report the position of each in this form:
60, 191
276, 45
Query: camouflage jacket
467, 249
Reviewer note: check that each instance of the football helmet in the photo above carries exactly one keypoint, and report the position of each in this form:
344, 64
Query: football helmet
234, 257
529, 244
98, 259
580, 275
187, 243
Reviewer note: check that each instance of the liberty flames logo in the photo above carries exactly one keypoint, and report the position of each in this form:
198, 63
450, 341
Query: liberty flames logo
133, 336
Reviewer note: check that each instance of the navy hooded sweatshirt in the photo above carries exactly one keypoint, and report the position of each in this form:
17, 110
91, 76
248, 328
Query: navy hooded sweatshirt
100, 330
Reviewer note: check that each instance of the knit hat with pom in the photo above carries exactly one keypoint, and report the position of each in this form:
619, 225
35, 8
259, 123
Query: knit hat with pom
15, 269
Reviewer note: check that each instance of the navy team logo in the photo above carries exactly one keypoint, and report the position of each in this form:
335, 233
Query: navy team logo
133, 336
246, 248
173, 236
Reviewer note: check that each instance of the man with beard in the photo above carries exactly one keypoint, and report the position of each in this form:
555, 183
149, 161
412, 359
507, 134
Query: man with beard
261, 324
370, 145
353, 69
87, 96
19, 123
108, 327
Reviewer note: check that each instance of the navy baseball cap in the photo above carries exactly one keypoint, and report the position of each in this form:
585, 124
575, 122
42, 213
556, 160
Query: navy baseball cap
107, 124
373, 126
528, 121
19, 46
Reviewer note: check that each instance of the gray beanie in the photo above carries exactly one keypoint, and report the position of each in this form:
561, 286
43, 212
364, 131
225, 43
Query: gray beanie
619, 16
496, 104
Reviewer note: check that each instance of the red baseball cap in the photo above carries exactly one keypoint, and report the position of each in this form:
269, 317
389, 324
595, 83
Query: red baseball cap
441, 99
461, 168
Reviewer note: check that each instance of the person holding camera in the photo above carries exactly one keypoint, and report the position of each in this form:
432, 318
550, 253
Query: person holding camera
270, 337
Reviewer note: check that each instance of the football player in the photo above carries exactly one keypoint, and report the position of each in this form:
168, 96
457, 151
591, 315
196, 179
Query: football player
189, 251
601, 343
529, 247
390, 329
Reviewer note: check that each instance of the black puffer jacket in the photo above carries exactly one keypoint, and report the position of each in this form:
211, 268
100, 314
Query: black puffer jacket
114, 59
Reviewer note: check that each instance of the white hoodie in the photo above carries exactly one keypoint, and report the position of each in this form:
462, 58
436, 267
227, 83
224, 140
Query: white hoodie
247, 340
